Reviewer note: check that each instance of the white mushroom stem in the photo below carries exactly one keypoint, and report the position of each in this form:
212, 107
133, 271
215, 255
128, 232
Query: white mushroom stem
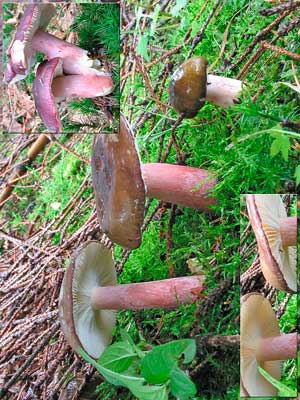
223, 91
179, 184
168, 293
288, 231
274, 348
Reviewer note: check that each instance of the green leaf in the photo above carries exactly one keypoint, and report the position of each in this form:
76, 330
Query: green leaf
281, 144
157, 365
285, 391
117, 357
180, 4
142, 47
112, 377
297, 175
143, 392
127, 338
181, 386
134, 383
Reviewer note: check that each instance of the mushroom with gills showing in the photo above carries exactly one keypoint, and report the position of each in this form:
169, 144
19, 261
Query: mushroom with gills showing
121, 183
90, 293
276, 236
21, 55
50, 85
261, 344
190, 87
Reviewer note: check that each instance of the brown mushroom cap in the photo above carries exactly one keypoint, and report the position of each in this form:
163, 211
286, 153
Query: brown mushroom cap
118, 186
278, 264
91, 266
20, 52
258, 321
43, 96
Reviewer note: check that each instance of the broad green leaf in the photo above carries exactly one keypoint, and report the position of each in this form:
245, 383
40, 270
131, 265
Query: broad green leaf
112, 377
127, 338
142, 47
285, 391
181, 386
134, 383
117, 357
157, 365
297, 175
143, 392
180, 4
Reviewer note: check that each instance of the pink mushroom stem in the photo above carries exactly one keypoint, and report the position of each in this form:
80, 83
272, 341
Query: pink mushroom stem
75, 59
82, 86
168, 293
274, 348
288, 231
182, 185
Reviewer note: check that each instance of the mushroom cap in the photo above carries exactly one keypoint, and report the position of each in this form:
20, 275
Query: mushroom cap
20, 52
43, 96
258, 321
278, 264
118, 186
91, 266
188, 86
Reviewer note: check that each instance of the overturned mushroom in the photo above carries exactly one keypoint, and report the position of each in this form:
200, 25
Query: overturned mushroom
49, 85
276, 236
190, 87
262, 345
21, 55
90, 292
121, 184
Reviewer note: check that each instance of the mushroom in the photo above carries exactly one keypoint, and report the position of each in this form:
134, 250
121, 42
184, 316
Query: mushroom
121, 184
261, 345
49, 85
75, 61
190, 87
21, 55
276, 236
90, 293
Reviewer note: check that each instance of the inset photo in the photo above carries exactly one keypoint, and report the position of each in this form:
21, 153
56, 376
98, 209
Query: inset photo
268, 325
61, 67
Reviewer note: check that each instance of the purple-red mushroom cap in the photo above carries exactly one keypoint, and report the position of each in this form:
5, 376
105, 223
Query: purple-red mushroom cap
50, 86
20, 53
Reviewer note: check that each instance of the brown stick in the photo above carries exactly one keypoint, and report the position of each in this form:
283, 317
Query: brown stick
34, 150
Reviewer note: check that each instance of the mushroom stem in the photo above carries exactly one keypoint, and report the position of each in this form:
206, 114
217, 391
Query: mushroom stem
83, 86
223, 91
274, 348
288, 231
166, 293
75, 59
182, 185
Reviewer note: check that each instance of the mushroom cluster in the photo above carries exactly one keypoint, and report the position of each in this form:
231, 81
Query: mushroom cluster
67, 72
191, 86
262, 344
90, 295
276, 236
